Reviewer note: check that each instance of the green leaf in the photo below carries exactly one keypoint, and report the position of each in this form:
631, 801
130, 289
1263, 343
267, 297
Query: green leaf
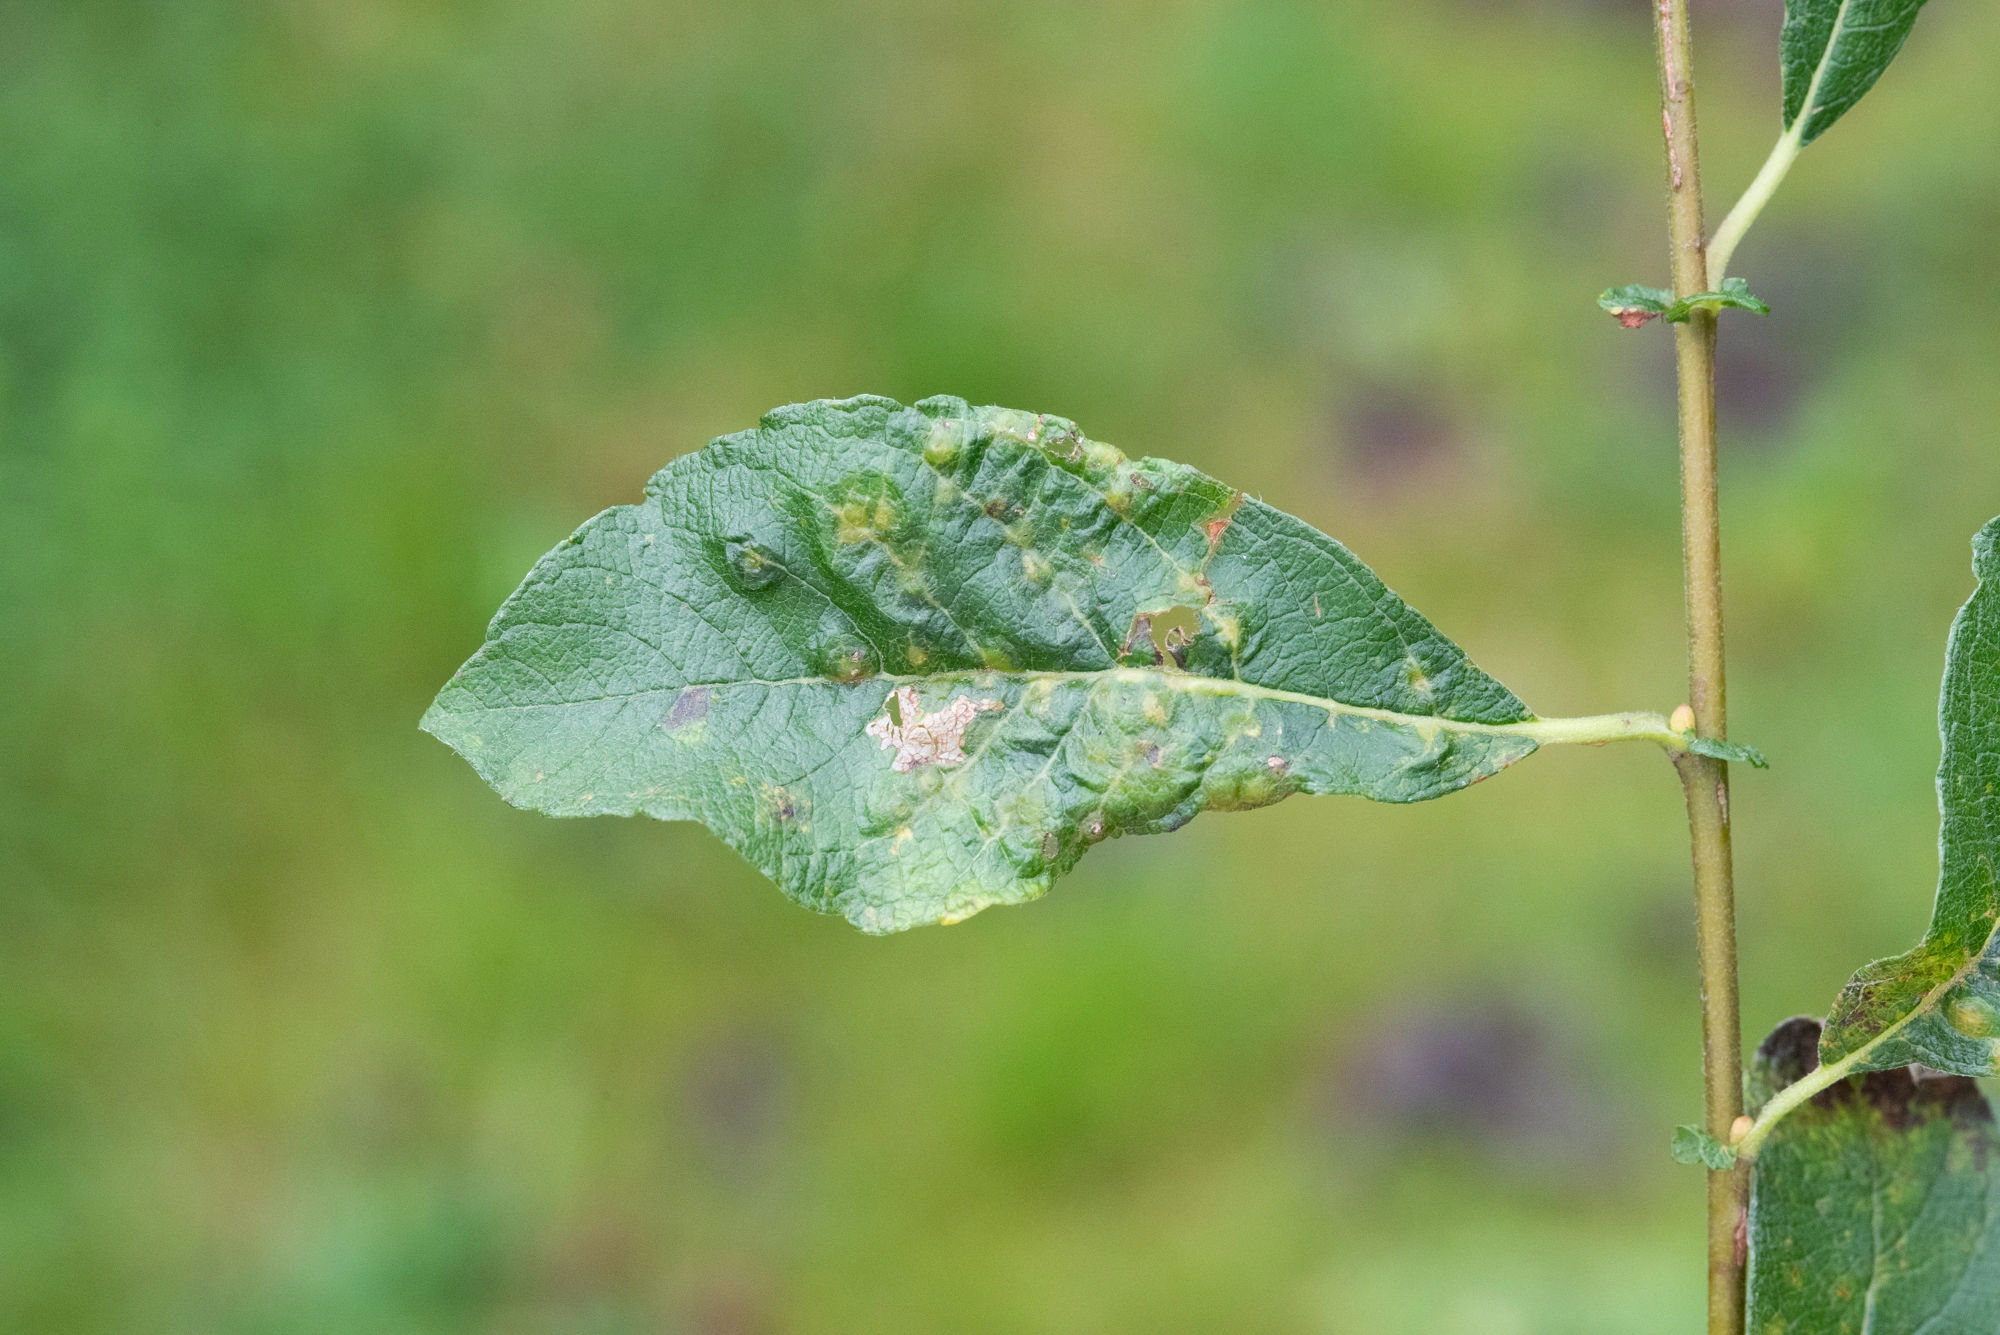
1940, 1003
1635, 303
912, 662
1692, 1145
1874, 1203
1736, 752
1832, 52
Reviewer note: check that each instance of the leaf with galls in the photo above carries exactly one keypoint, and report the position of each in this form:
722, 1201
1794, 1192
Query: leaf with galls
915, 661
1875, 1205
1939, 1004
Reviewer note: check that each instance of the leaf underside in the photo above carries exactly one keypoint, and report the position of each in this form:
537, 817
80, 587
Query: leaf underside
1845, 45
912, 662
1873, 1205
1940, 1003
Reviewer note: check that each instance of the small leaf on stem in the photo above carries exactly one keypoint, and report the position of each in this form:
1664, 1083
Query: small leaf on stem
1636, 304
1736, 752
1692, 1145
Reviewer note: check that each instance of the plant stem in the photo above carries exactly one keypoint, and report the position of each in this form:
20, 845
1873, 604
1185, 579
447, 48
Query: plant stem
1705, 781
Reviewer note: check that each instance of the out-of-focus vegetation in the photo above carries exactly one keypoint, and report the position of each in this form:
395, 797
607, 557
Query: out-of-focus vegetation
319, 320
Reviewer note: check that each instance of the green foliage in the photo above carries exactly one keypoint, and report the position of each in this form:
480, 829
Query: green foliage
1833, 51
1939, 1004
1636, 304
912, 662
1873, 1205
1692, 1145
319, 322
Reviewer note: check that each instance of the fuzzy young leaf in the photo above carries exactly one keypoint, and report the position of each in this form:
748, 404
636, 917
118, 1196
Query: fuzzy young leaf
1692, 1145
912, 662
1940, 1003
1874, 1204
1833, 51
1735, 752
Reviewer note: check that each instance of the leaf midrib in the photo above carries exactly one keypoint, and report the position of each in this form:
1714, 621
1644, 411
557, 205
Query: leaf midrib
1798, 127
1634, 725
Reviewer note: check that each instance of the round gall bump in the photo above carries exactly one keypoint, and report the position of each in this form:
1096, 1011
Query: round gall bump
751, 568
847, 663
946, 439
1973, 1016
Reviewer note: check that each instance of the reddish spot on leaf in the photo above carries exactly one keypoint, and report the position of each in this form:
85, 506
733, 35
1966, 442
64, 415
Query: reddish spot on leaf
1633, 317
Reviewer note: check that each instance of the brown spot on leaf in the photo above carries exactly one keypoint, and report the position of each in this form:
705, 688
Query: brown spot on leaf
780, 803
1218, 524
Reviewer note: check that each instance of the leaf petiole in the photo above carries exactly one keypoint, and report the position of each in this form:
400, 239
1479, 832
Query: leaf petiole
1826, 1075
1745, 211
1791, 1096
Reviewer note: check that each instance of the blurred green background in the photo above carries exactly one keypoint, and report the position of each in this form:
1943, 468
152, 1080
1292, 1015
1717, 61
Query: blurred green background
320, 319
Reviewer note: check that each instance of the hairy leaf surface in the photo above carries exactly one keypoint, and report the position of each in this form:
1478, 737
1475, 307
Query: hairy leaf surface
1833, 51
1940, 1003
912, 662
1874, 1204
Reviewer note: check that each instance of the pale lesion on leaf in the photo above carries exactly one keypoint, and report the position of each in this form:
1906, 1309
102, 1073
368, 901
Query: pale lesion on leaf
919, 738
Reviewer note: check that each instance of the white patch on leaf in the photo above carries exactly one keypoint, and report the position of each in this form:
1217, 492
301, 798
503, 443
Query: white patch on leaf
926, 739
